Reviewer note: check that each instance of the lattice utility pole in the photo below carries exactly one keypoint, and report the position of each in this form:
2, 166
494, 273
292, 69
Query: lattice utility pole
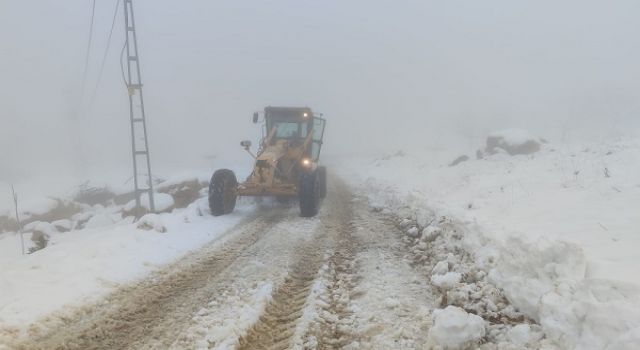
139, 143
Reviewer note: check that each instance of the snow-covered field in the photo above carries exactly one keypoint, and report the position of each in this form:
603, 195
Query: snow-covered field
95, 250
81, 266
558, 229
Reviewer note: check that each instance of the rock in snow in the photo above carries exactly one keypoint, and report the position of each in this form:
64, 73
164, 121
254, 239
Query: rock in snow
64, 225
183, 190
512, 141
446, 281
41, 235
462, 158
151, 222
441, 268
454, 328
430, 233
413, 232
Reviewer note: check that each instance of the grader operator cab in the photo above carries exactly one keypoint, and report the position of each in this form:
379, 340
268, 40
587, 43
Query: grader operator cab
286, 163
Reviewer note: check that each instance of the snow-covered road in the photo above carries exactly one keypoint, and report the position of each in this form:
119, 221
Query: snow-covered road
349, 278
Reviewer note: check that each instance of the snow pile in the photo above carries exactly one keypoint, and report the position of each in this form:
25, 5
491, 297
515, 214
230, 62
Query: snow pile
547, 281
459, 280
453, 328
557, 233
528, 271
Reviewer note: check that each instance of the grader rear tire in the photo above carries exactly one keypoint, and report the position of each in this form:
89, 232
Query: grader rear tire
309, 194
222, 192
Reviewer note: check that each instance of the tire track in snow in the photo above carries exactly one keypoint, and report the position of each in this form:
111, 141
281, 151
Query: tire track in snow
337, 320
156, 307
333, 328
277, 325
393, 305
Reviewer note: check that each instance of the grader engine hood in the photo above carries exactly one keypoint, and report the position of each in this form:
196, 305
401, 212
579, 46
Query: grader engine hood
267, 164
274, 171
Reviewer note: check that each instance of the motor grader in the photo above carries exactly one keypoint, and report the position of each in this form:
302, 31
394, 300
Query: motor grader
286, 163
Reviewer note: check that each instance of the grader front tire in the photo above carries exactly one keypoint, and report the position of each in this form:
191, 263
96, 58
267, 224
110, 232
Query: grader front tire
222, 192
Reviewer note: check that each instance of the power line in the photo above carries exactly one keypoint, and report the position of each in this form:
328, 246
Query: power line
80, 159
88, 54
106, 53
124, 78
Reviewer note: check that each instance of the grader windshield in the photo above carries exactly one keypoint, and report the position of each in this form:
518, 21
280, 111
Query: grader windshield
295, 125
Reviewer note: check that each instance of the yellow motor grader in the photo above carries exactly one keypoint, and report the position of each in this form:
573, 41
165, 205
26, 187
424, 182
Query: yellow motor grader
286, 164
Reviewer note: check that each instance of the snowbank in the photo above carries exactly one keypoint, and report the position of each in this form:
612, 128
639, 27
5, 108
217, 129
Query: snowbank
557, 232
85, 264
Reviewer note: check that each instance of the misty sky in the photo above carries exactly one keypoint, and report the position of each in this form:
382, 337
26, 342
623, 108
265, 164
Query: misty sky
387, 75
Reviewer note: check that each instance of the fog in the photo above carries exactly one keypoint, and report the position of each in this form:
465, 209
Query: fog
387, 75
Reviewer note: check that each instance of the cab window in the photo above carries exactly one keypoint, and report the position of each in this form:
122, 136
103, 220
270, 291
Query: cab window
287, 130
318, 129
